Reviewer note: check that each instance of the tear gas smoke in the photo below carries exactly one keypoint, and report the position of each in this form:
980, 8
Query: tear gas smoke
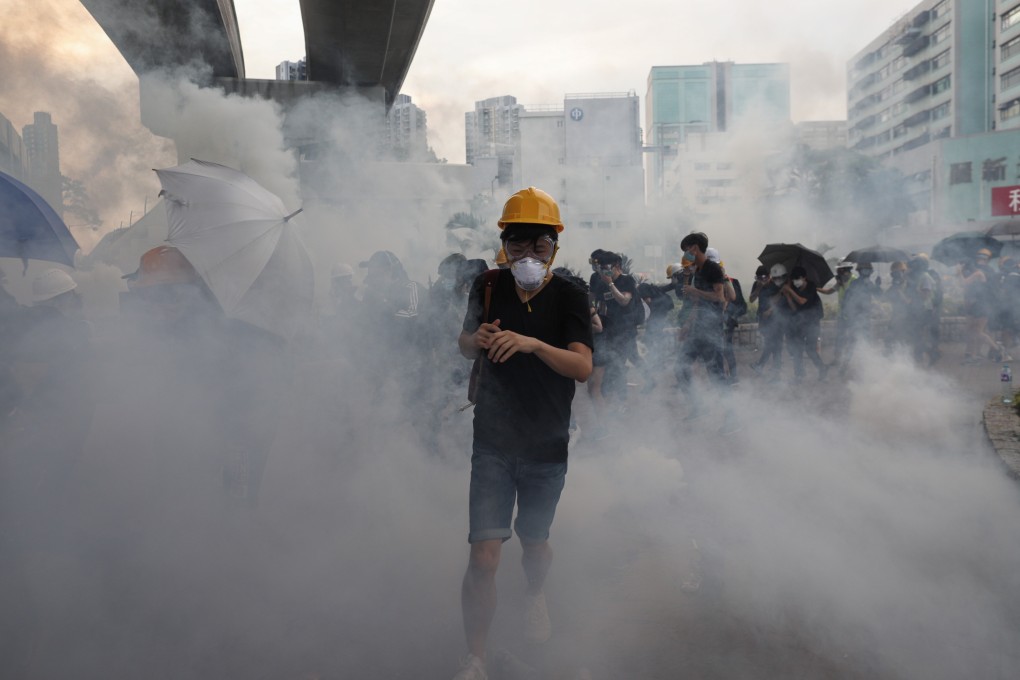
862, 535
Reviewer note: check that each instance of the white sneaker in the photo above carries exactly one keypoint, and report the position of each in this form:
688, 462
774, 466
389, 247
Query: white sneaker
537, 626
472, 668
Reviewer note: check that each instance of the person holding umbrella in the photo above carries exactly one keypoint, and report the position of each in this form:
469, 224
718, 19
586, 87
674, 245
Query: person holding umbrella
805, 322
978, 304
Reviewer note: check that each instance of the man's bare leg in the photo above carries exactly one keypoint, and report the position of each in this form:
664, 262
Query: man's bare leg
536, 560
478, 594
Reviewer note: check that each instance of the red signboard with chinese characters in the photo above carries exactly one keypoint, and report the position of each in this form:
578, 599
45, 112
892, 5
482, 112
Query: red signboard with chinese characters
1006, 201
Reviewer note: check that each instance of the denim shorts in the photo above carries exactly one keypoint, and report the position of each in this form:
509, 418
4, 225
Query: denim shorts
497, 480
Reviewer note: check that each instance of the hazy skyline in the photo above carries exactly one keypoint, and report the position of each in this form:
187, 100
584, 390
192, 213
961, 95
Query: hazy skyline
59, 60
540, 51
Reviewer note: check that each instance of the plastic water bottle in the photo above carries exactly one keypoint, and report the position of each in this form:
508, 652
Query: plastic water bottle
1006, 379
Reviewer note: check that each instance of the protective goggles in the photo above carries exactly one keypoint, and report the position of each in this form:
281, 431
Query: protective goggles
541, 248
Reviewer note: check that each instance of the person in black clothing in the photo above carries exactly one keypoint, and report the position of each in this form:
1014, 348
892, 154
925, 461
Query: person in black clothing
761, 279
533, 344
805, 322
618, 292
701, 333
773, 316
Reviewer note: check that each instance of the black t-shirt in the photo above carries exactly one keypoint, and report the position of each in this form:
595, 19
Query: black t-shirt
812, 309
616, 318
709, 314
523, 406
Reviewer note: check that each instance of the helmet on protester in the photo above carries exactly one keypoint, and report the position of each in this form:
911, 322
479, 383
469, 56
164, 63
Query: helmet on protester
163, 265
777, 271
712, 254
985, 253
531, 206
50, 284
674, 269
341, 270
845, 264
898, 266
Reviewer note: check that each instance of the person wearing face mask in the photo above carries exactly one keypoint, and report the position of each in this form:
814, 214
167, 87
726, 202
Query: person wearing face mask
856, 311
618, 291
534, 343
702, 332
773, 315
899, 295
801, 296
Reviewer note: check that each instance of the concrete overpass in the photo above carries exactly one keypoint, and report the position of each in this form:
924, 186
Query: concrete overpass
359, 45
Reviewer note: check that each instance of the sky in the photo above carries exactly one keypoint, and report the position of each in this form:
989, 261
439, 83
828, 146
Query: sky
539, 51
56, 58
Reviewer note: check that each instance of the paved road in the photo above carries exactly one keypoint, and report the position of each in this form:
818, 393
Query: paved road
832, 530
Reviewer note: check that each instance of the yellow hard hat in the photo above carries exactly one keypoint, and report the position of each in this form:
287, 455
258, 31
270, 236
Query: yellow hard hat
531, 206
984, 252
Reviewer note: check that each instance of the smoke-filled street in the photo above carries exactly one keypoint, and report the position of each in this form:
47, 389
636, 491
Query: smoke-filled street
495, 342
843, 529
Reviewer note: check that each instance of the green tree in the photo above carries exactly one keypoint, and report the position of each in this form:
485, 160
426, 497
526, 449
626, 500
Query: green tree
78, 203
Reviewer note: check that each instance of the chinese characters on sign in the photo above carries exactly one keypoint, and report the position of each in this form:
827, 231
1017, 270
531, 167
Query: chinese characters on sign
1006, 201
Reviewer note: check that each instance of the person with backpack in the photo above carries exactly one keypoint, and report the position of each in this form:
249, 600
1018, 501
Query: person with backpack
534, 343
735, 308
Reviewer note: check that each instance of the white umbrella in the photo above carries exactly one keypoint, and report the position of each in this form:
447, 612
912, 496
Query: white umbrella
241, 240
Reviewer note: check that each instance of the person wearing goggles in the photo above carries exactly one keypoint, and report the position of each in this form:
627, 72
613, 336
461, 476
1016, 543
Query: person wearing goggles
533, 342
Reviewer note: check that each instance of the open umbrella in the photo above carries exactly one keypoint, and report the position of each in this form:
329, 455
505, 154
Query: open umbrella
1008, 228
29, 228
242, 241
876, 253
791, 255
964, 246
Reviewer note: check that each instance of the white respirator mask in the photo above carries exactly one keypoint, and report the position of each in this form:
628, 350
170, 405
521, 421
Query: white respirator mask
529, 272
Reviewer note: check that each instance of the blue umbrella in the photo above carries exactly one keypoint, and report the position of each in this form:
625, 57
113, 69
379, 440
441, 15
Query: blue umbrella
29, 228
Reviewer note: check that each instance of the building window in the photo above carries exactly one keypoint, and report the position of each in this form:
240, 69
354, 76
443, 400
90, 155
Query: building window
605, 224
940, 85
1009, 48
940, 60
1009, 78
702, 167
1010, 18
586, 225
940, 35
1010, 110
939, 9
960, 173
940, 111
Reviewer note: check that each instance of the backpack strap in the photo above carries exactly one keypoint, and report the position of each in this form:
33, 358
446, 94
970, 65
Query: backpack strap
489, 279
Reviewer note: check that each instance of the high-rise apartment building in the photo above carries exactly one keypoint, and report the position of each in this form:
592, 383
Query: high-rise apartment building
43, 153
406, 134
925, 78
12, 150
588, 154
292, 70
714, 97
492, 130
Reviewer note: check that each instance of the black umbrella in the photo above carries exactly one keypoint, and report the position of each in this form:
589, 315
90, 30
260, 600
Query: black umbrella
791, 255
1009, 228
964, 246
877, 253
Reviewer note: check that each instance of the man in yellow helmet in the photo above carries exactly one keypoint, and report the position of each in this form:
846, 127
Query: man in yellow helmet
534, 341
